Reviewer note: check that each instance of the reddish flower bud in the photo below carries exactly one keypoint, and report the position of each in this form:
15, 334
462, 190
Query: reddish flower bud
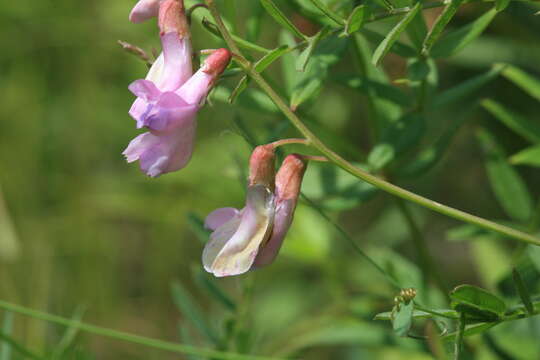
172, 18
261, 166
216, 63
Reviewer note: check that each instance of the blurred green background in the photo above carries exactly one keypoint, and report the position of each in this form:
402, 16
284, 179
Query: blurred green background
79, 226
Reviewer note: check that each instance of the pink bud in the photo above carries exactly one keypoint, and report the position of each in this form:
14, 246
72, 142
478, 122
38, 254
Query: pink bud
288, 182
216, 63
172, 18
261, 166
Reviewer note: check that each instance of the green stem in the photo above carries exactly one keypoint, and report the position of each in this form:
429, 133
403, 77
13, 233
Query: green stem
347, 166
427, 264
459, 337
137, 339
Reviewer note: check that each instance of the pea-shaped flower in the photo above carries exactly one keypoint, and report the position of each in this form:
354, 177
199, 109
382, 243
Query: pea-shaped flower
144, 10
251, 237
171, 118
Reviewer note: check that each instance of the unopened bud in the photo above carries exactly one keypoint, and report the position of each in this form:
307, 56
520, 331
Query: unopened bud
216, 63
289, 177
261, 166
172, 18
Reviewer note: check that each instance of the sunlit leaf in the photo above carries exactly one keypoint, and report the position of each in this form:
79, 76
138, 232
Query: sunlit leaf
523, 291
398, 47
500, 5
306, 54
394, 34
356, 19
529, 156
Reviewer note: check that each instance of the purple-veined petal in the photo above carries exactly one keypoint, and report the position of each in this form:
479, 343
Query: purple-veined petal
139, 145
229, 254
145, 90
219, 217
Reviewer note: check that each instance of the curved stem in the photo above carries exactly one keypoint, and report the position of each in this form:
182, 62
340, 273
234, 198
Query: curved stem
314, 158
347, 166
282, 142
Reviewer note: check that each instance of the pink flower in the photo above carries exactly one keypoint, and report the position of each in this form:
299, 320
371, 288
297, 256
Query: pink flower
170, 117
144, 10
252, 237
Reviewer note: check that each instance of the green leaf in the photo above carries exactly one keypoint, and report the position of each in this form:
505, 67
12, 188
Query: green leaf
522, 126
260, 66
417, 30
335, 189
526, 82
477, 304
356, 20
380, 156
440, 23
305, 55
212, 28
528, 156
398, 47
280, 18
69, 335
328, 12
377, 89
308, 83
187, 307
404, 133
466, 88
394, 34
534, 254
418, 314
508, 187
403, 319
500, 5
523, 292
457, 40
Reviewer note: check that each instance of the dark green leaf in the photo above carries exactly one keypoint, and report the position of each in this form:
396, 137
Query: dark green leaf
403, 319
405, 132
523, 292
356, 19
528, 156
526, 82
280, 18
440, 23
380, 156
466, 88
519, 124
417, 30
500, 5
185, 304
457, 40
477, 304
377, 89
394, 34
260, 66
508, 187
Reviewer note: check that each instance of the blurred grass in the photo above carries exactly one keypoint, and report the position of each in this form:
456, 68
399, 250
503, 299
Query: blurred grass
81, 227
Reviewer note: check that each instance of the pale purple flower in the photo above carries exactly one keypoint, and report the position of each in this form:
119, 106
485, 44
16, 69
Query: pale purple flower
171, 118
252, 237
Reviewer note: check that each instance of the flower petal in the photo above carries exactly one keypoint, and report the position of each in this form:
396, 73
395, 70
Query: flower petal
144, 10
238, 251
145, 89
219, 217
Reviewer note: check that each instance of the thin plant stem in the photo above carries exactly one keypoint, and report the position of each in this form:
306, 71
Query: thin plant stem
124, 336
282, 142
458, 345
350, 168
314, 158
355, 246
427, 264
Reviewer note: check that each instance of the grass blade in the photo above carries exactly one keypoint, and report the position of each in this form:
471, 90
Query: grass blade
136, 339
519, 124
526, 82
69, 335
441, 22
529, 156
